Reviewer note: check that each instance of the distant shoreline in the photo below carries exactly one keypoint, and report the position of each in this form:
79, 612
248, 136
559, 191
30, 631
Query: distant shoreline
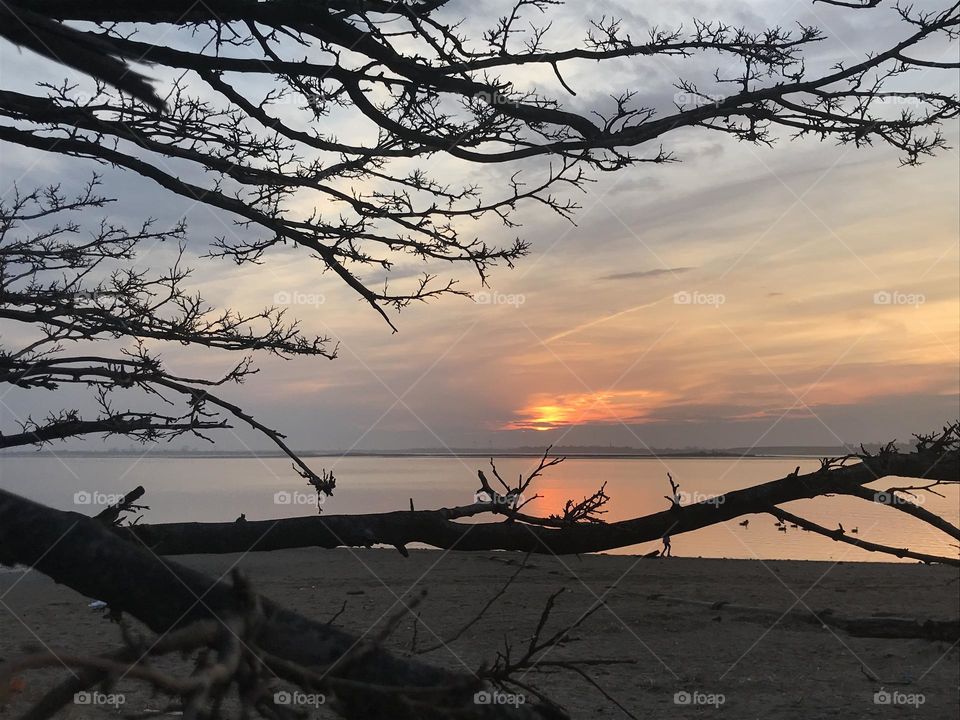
473, 454
573, 451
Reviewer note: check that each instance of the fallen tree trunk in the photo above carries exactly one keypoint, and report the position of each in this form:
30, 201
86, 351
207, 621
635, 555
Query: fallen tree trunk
439, 528
367, 680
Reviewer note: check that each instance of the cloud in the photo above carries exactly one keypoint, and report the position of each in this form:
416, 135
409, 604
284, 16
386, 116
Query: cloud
656, 272
599, 320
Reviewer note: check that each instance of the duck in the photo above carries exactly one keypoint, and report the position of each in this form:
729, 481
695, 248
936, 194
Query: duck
745, 522
782, 528
855, 530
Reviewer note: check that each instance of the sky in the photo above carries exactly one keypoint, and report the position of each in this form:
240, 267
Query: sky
802, 294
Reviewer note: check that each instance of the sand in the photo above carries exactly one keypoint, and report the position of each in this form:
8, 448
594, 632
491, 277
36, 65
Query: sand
760, 668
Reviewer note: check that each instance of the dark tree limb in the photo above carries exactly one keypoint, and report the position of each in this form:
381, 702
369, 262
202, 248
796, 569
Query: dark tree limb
83, 51
841, 536
890, 498
113, 515
439, 528
83, 554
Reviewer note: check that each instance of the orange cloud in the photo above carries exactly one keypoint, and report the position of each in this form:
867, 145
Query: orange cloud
547, 412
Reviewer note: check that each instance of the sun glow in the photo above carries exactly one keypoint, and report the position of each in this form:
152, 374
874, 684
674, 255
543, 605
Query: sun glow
546, 412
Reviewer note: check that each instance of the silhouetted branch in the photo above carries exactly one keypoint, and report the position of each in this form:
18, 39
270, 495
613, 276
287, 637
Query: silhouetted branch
64, 287
840, 535
435, 94
527, 533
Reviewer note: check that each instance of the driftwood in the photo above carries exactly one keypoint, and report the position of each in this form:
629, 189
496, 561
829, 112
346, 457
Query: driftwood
369, 682
439, 528
873, 626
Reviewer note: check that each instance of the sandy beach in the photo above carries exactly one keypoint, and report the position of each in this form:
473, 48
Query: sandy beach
690, 660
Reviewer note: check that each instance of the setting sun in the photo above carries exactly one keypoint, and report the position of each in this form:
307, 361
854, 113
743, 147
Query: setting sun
543, 412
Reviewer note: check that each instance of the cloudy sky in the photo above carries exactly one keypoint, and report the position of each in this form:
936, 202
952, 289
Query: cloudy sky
800, 294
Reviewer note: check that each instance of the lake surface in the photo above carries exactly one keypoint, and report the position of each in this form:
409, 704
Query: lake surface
219, 489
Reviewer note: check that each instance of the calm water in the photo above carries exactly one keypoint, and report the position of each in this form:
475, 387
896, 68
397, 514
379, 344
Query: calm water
217, 489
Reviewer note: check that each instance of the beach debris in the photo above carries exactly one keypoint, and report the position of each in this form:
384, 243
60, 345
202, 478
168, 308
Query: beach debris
16, 685
97, 605
337, 614
873, 626
512, 561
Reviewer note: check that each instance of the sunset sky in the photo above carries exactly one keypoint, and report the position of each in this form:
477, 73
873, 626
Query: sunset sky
800, 294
